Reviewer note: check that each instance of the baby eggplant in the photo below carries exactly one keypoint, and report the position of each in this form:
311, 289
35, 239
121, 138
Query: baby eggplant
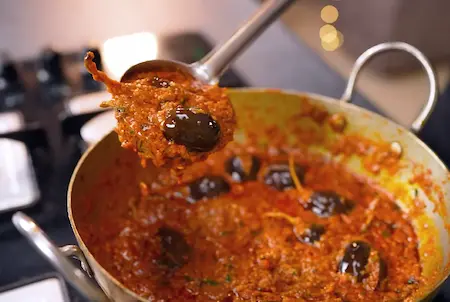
279, 177
328, 203
198, 131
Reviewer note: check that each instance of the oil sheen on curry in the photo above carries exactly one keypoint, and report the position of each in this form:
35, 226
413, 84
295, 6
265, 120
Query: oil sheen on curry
168, 117
249, 225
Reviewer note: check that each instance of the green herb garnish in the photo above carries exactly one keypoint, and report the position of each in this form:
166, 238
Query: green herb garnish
226, 233
188, 278
386, 233
228, 278
208, 281
255, 233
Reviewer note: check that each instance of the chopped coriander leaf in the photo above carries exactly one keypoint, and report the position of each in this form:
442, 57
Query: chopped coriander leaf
386, 233
255, 233
188, 278
226, 233
208, 281
228, 278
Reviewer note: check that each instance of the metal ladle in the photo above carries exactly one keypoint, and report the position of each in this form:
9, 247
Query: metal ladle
209, 69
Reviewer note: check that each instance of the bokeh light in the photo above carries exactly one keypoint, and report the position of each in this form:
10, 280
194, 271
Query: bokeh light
333, 44
328, 33
330, 38
329, 14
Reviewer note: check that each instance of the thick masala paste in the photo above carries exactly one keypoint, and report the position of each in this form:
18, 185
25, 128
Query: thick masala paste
168, 117
257, 226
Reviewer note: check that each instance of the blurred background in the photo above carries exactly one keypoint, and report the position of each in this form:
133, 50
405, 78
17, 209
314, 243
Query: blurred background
49, 105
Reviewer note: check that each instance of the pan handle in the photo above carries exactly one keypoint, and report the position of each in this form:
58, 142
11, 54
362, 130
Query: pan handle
74, 252
58, 258
427, 109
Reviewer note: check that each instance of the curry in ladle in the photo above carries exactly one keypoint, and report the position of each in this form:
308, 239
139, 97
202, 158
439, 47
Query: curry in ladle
167, 116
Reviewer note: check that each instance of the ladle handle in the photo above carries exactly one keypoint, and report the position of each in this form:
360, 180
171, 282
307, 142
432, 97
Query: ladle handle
211, 67
58, 258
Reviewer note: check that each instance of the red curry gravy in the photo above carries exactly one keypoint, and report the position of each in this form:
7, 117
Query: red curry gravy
168, 117
253, 226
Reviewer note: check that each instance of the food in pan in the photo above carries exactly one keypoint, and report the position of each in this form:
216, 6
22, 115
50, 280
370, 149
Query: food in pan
252, 224
168, 117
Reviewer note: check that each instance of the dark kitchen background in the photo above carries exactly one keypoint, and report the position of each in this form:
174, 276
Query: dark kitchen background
48, 103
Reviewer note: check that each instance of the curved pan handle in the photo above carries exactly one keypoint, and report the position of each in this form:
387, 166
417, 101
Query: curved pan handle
427, 109
58, 258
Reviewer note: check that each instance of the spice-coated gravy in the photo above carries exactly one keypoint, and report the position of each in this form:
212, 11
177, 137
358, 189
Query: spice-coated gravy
258, 226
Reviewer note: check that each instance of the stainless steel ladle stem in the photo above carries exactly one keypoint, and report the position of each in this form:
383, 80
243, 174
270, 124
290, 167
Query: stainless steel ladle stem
212, 66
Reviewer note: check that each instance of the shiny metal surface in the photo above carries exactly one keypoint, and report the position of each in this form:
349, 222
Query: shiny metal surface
49, 251
210, 68
425, 113
73, 251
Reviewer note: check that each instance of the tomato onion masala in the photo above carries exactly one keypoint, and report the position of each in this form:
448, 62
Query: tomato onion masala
168, 117
253, 225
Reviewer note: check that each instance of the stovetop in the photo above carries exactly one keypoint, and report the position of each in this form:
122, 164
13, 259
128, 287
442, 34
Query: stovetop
53, 140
